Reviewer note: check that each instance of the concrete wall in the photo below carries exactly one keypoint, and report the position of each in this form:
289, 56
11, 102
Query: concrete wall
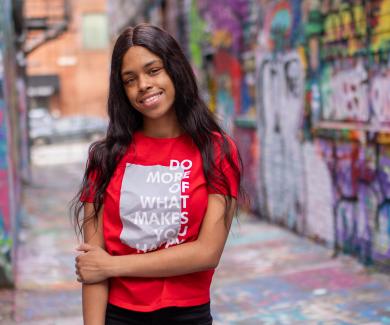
14, 164
304, 87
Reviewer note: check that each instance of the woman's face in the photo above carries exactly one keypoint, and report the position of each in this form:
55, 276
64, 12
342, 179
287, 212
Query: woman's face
147, 83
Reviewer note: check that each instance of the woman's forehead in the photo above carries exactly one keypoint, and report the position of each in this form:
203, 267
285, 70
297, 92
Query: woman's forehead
138, 57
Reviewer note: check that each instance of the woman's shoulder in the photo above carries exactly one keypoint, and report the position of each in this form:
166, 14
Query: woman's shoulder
219, 140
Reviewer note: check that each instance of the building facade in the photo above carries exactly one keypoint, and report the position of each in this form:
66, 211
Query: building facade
69, 74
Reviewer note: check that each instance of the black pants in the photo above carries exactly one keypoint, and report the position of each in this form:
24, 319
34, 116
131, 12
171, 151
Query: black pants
196, 315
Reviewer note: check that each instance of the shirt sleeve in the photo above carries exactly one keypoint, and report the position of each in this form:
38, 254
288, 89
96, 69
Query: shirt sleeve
226, 178
89, 190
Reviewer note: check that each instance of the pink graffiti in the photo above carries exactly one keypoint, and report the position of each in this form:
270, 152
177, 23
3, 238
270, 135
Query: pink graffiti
4, 200
227, 15
331, 278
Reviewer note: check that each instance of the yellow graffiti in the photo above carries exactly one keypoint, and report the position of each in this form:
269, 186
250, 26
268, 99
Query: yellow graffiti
381, 36
302, 57
332, 28
348, 24
383, 138
360, 21
221, 39
212, 88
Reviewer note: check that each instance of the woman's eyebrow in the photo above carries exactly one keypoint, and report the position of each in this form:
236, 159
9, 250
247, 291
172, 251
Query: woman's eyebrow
151, 63
126, 72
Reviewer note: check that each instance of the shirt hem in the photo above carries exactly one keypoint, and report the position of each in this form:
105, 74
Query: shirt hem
164, 304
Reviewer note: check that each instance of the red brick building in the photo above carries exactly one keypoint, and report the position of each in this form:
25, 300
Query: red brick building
69, 74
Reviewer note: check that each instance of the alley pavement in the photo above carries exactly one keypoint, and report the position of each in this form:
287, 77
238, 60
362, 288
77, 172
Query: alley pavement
267, 275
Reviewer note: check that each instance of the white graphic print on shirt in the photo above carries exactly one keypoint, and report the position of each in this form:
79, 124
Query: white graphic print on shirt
152, 204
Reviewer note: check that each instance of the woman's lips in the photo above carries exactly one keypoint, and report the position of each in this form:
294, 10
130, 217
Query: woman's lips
151, 100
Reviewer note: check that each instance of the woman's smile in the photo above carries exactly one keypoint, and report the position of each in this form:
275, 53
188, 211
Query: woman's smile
151, 99
148, 86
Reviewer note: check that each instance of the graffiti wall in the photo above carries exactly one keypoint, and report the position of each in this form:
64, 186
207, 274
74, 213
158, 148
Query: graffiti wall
303, 85
13, 143
353, 79
5, 206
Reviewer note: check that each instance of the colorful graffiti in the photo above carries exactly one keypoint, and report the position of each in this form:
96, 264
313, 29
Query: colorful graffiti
13, 143
313, 78
215, 50
5, 221
353, 76
360, 196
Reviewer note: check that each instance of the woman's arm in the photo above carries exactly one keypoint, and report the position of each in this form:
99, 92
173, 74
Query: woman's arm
95, 295
199, 255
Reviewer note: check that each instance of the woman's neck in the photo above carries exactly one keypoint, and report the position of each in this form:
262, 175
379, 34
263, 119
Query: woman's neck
162, 128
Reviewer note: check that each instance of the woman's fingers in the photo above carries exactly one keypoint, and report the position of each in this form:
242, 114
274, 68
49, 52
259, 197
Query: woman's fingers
78, 274
84, 247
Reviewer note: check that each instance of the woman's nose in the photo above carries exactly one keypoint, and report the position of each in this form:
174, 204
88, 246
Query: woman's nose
144, 83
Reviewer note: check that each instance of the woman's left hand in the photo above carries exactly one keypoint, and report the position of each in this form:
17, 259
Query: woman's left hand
91, 266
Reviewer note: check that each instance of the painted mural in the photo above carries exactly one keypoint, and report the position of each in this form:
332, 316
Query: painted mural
5, 213
13, 144
304, 84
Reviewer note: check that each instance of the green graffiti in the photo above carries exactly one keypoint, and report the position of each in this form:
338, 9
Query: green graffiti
5, 259
314, 24
197, 35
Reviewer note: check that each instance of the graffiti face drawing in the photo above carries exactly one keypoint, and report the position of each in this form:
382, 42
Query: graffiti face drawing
280, 99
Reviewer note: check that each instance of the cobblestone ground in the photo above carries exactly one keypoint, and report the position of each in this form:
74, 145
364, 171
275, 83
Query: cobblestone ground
267, 275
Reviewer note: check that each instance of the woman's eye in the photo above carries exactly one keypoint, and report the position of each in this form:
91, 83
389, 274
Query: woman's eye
154, 71
129, 81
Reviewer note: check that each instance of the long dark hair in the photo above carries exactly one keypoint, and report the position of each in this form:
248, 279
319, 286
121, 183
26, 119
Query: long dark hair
193, 116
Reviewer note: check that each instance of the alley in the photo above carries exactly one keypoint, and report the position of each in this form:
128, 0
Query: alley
267, 275
301, 86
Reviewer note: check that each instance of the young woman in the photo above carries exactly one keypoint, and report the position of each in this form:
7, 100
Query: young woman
158, 194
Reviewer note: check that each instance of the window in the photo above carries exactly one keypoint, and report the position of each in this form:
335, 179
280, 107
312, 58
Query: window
95, 31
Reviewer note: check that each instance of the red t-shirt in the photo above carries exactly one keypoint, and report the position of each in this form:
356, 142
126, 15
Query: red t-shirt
156, 198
